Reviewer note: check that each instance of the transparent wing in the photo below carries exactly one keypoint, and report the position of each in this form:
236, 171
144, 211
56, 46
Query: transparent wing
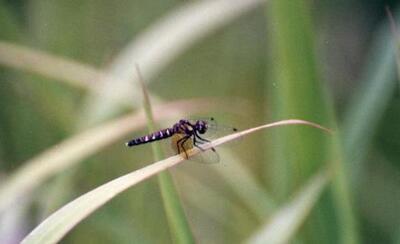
206, 157
214, 129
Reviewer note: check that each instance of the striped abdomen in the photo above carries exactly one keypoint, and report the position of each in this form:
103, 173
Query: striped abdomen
159, 135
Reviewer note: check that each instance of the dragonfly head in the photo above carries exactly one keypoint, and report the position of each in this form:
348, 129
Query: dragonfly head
201, 126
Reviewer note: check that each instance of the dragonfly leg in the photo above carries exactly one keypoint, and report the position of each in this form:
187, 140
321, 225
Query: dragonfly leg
202, 141
195, 143
180, 143
200, 138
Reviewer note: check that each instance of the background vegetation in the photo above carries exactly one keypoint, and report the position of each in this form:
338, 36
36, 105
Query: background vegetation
68, 71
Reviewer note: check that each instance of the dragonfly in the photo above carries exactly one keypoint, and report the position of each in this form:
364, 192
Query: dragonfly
185, 135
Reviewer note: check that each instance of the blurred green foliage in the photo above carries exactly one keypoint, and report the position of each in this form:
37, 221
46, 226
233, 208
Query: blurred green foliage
265, 57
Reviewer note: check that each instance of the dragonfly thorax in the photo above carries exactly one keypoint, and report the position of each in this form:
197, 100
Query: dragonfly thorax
188, 128
183, 127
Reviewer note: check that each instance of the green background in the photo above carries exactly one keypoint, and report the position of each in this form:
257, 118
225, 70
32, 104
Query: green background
330, 62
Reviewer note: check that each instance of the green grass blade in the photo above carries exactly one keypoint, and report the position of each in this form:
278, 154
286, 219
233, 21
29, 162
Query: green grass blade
297, 90
341, 195
179, 226
367, 106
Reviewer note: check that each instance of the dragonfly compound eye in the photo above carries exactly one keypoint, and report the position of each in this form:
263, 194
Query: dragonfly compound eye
201, 127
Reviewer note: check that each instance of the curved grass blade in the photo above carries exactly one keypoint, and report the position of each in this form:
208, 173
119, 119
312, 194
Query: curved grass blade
364, 112
154, 53
299, 92
285, 223
59, 223
24, 58
62, 221
70, 151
